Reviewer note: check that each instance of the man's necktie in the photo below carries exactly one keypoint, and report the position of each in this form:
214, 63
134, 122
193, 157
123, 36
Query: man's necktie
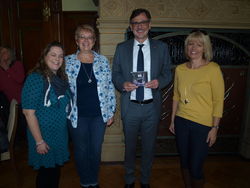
140, 67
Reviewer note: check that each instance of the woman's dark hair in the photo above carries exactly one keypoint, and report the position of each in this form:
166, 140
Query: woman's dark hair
41, 66
138, 11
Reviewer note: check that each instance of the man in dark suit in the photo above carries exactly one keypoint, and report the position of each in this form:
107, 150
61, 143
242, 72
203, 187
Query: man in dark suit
140, 105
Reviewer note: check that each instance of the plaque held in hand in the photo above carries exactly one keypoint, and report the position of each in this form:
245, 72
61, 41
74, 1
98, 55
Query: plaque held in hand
140, 78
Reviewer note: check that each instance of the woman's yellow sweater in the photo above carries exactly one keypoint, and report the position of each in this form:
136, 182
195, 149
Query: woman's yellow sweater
200, 93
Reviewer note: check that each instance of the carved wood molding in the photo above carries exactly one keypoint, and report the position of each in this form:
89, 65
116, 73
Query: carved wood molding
212, 13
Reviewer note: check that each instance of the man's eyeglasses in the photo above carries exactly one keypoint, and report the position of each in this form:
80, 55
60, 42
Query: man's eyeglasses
199, 30
140, 23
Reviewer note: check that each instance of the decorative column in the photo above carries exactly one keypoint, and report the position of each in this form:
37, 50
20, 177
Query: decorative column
112, 28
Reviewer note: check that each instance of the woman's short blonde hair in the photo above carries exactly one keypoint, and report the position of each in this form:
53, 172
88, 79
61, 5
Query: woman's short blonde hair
204, 39
85, 27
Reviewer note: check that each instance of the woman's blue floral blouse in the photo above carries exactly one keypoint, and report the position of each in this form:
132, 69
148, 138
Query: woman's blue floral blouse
105, 87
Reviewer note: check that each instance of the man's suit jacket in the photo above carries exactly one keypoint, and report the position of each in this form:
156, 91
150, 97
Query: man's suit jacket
123, 66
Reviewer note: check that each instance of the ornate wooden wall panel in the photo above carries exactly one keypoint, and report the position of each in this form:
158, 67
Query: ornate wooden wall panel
181, 13
38, 24
30, 46
30, 25
30, 36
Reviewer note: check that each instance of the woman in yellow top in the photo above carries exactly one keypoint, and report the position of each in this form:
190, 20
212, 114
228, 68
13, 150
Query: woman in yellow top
197, 106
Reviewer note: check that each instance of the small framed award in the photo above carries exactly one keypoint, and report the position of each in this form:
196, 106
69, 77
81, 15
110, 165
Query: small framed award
140, 78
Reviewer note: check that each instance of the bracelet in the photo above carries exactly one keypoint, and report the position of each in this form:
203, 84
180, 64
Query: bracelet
39, 143
215, 126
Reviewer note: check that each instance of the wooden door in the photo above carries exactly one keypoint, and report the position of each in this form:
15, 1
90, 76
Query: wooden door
31, 25
5, 38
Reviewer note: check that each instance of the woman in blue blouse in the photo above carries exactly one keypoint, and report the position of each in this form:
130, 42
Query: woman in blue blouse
93, 104
45, 97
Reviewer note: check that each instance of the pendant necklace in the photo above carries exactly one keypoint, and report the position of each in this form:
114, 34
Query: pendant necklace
186, 100
89, 76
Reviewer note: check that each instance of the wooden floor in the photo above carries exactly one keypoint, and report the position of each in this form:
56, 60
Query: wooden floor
221, 172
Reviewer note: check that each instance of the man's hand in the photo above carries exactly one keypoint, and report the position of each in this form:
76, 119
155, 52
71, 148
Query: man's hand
128, 86
153, 84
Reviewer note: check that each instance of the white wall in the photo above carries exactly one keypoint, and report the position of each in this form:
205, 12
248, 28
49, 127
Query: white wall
78, 5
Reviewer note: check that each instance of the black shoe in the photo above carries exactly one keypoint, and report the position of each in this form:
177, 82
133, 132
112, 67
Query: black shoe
145, 185
131, 185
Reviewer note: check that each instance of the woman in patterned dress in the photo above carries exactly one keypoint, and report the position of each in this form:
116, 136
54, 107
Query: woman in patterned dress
45, 97
93, 104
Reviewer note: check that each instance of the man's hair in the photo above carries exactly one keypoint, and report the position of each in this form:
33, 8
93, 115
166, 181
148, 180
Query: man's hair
138, 11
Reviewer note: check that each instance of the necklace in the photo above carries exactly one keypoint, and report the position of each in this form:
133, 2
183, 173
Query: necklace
187, 90
89, 76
